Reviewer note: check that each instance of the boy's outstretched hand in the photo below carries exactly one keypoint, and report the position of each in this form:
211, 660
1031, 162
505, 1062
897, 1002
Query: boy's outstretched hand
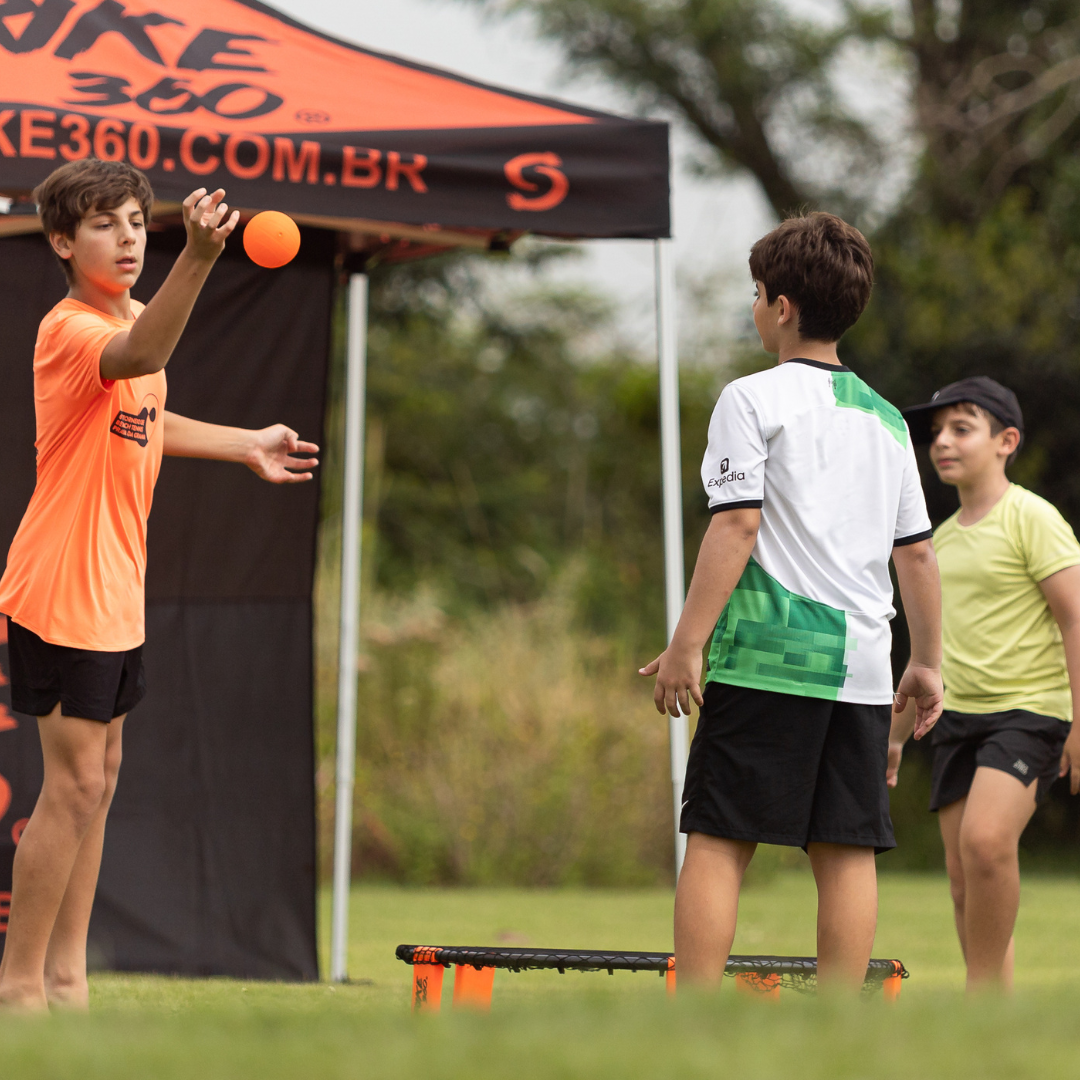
270, 455
206, 223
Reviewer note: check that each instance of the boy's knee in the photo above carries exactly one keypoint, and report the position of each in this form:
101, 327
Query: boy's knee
711, 850
985, 848
82, 792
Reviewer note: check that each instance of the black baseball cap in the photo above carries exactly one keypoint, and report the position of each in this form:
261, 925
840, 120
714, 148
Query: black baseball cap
979, 390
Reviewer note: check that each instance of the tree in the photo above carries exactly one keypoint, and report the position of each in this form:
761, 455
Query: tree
992, 87
977, 261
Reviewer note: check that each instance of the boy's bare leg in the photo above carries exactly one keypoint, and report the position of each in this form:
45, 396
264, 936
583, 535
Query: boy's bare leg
998, 808
950, 819
74, 783
846, 879
707, 906
65, 960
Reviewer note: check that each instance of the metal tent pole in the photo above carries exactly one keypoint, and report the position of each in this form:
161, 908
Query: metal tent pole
349, 642
671, 468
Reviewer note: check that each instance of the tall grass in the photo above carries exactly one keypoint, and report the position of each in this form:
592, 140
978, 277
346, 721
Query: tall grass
507, 747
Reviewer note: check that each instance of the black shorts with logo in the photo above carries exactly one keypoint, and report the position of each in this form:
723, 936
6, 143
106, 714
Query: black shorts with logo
1024, 744
785, 769
87, 684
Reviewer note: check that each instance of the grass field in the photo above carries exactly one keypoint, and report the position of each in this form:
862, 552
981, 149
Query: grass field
546, 1025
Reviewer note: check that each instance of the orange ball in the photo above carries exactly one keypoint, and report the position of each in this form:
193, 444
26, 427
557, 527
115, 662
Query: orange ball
271, 239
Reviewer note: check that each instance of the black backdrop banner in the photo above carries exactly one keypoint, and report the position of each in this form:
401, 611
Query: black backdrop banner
209, 862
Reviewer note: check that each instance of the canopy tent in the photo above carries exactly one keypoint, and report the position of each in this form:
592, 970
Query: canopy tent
391, 160
232, 92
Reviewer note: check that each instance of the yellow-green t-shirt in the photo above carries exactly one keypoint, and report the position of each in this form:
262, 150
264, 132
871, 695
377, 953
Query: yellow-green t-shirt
1002, 647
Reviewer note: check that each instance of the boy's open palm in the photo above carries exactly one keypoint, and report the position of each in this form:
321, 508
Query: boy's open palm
206, 222
270, 456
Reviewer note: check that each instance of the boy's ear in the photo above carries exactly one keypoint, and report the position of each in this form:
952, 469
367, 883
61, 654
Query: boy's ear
61, 244
1010, 440
788, 311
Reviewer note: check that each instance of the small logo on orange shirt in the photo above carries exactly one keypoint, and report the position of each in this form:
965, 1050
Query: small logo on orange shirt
138, 427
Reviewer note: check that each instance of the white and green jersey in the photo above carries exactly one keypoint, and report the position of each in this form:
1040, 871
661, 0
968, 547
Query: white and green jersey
831, 465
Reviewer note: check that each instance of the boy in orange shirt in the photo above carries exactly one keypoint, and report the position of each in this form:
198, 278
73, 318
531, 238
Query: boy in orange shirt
73, 590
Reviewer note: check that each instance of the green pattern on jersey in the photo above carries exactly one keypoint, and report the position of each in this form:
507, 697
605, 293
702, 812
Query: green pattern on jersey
771, 639
852, 393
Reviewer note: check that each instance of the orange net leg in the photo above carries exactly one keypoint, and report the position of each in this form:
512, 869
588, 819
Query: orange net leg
427, 987
472, 986
890, 988
766, 986
669, 977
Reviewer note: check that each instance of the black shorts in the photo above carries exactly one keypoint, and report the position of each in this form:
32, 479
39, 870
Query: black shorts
785, 769
1024, 744
87, 684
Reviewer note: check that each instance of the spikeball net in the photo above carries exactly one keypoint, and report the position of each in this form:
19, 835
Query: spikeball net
474, 970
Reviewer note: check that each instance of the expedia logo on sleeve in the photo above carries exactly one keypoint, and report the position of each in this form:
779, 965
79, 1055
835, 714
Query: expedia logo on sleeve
727, 474
138, 427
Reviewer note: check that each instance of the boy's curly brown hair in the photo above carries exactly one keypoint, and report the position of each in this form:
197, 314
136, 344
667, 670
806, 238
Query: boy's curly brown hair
80, 187
821, 264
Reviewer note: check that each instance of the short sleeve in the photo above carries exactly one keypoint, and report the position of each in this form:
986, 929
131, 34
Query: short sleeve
1046, 538
733, 470
912, 520
78, 340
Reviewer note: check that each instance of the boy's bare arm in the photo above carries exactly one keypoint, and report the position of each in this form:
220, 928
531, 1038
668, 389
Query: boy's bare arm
147, 346
721, 560
266, 451
920, 589
1062, 592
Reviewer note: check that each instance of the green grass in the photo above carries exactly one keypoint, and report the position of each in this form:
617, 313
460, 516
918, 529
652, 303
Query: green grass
546, 1025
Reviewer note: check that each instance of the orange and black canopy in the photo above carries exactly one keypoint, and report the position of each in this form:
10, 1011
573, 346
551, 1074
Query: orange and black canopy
232, 93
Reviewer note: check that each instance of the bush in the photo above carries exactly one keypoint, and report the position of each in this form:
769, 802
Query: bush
511, 747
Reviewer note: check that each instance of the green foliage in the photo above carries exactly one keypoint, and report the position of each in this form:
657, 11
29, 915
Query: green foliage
995, 297
500, 445
506, 748
918, 841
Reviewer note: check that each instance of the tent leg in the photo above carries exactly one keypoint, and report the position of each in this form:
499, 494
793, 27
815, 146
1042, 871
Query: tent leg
671, 467
349, 642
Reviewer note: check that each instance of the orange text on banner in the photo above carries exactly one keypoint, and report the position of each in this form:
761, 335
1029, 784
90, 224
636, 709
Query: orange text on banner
546, 165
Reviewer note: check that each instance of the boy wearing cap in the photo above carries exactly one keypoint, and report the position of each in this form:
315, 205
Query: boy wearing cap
1010, 575
813, 486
